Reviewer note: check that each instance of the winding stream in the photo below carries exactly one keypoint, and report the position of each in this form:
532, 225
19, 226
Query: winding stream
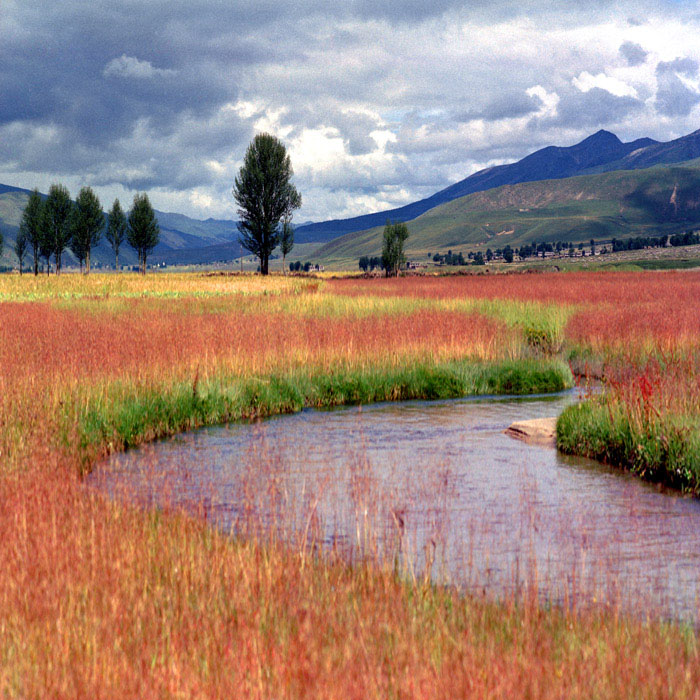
437, 487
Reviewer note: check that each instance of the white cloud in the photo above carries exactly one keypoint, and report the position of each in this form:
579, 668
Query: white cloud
585, 82
131, 67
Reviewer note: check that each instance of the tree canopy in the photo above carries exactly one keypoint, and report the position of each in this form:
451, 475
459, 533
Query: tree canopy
21, 246
286, 239
86, 225
31, 225
143, 232
265, 195
395, 236
116, 229
56, 219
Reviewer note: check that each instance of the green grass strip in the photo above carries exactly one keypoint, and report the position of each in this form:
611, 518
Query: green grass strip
125, 416
665, 450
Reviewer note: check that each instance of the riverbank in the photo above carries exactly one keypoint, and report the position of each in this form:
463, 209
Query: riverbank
128, 418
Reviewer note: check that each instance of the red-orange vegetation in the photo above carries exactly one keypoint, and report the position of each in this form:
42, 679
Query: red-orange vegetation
660, 326
675, 288
101, 600
39, 340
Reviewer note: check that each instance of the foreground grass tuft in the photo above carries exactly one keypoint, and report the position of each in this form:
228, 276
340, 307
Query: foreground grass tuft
664, 449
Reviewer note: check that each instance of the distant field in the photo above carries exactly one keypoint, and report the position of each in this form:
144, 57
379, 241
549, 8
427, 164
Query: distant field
102, 599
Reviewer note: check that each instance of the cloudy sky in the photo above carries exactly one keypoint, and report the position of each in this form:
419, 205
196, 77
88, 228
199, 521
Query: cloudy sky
379, 103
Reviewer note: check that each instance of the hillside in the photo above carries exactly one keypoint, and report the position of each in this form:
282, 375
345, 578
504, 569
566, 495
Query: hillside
615, 204
601, 152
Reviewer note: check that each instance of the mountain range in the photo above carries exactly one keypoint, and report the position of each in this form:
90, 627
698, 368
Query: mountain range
601, 152
184, 239
616, 204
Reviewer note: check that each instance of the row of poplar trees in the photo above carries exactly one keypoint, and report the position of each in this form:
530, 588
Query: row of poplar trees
51, 225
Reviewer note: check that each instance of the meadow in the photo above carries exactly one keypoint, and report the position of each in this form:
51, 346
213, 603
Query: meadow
102, 599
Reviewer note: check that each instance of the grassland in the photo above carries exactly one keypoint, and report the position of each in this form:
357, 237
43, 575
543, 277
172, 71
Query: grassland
100, 599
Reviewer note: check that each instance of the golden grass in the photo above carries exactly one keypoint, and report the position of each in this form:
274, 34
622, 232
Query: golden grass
103, 286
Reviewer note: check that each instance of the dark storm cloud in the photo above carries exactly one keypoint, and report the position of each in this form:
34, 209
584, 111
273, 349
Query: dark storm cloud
595, 108
673, 97
504, 106
633, 53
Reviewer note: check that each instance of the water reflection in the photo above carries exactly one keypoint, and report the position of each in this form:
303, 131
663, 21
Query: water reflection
438, 487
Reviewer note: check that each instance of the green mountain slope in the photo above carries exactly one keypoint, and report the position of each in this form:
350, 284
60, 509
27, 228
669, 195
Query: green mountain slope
662, 199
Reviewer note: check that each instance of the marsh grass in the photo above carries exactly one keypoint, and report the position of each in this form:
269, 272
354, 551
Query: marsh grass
124, 418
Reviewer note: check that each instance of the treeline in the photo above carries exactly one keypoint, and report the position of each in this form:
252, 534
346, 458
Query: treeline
542, 248
299, 266
52, 225
639, 242
367, 264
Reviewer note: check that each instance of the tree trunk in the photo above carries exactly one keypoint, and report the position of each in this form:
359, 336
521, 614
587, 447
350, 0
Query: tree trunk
87, 262
264, 265
36, 262
116, 263
284, 264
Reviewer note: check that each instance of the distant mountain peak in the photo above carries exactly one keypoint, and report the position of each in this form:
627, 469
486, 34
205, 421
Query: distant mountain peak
601, 139
602, 135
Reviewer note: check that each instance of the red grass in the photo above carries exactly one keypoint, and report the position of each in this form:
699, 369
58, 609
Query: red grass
600, 288
39, 340
662, 326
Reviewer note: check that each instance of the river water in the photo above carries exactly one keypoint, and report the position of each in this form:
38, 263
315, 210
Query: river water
439, 490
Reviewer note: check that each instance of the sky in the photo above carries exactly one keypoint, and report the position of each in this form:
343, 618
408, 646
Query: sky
378, 103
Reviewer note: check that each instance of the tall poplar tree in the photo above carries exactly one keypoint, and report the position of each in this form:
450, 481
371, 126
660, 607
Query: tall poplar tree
86, 225
32, 224
21, 246
116, 230
264, 194
57, 210
286, 240
143, 232
393, 257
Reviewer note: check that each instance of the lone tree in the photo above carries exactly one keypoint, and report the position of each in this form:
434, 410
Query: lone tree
395, 236
21, 246
57, 211
143, 232
32, 225
265, 195
86, 224
116, 230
